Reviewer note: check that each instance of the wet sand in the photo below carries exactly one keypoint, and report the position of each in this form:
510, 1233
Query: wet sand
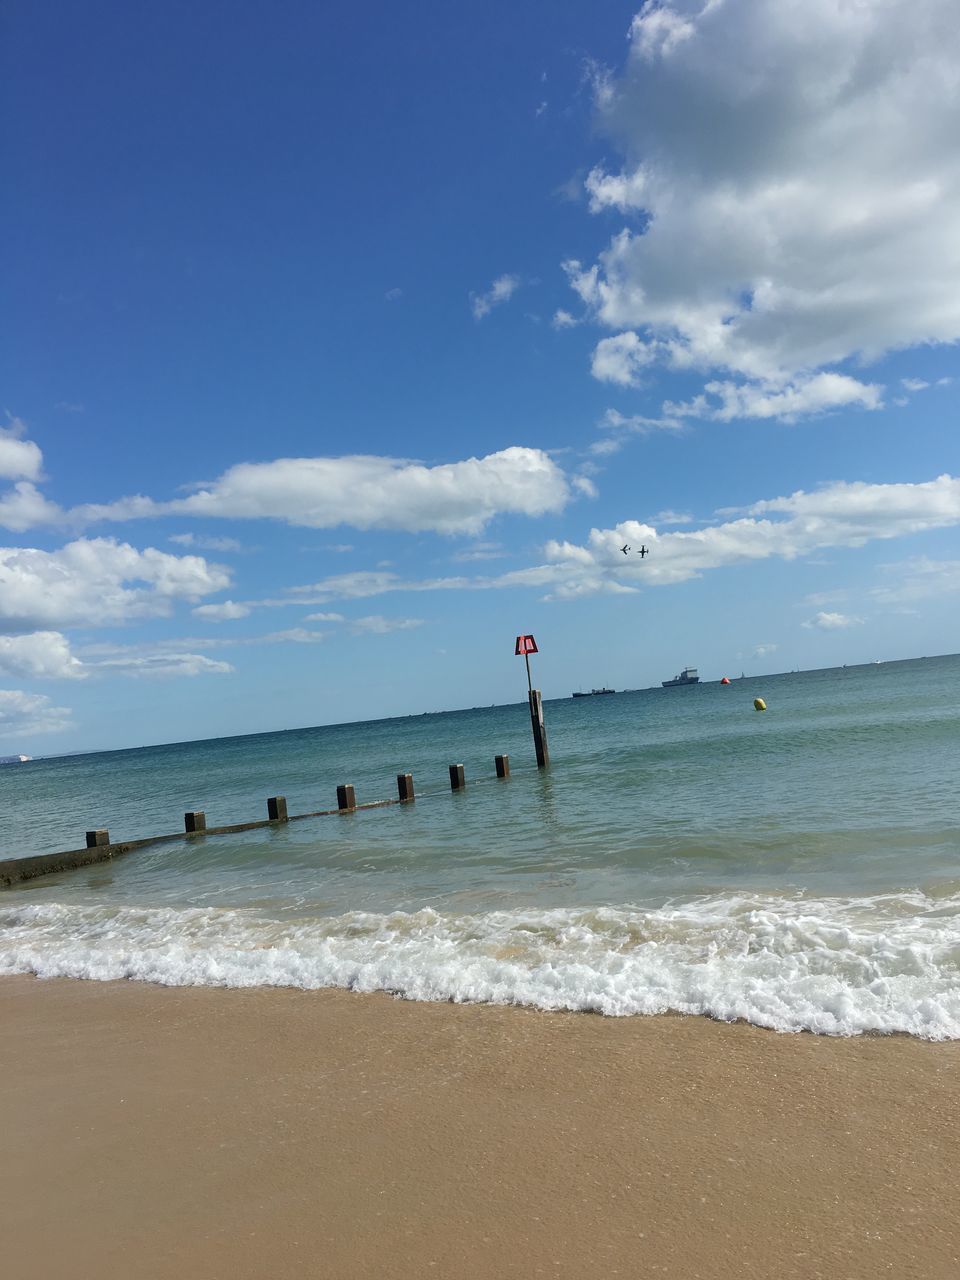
180, 1133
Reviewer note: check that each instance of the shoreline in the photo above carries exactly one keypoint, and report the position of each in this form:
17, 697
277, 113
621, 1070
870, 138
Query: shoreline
274, 1132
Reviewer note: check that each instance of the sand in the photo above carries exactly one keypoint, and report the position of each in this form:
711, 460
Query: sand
179, 1133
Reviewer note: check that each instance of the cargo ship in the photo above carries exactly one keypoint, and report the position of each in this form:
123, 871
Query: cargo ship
592, 693
687, 676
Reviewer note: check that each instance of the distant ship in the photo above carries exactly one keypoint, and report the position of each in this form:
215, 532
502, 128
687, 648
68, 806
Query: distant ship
687, 676
592, 693
14, 759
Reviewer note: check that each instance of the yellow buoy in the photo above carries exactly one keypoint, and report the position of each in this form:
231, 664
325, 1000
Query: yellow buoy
759, 704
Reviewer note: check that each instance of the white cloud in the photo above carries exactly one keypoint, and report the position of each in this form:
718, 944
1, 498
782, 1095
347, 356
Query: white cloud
88, 583
914, 384
39, 655
804, 396
203, 543
19, 459
223, 612
24, 507
480, 551
839, 515
293, 635
393, 295
764, 650
563, 319
832, 621
918, 578
502, 290
324, 617
22, 714
621, 427
671, 517
163, 665
379, 625
46, 655
367, 493
622, 360
793, 179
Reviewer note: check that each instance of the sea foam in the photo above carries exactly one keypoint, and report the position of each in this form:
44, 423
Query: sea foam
835, 966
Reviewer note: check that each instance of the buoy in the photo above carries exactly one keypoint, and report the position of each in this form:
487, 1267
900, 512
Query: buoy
724, 680
759, 704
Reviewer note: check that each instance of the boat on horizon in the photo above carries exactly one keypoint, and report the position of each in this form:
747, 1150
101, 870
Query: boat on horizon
687, 676
591, 693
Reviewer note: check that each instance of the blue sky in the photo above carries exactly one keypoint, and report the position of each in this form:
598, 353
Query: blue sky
343, 343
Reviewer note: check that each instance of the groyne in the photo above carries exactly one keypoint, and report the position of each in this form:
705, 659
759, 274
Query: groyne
100, 848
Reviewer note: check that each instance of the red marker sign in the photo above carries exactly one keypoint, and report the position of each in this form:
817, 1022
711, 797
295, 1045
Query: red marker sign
525, 645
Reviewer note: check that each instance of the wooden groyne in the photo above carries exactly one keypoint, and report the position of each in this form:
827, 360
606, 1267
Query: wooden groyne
100, 848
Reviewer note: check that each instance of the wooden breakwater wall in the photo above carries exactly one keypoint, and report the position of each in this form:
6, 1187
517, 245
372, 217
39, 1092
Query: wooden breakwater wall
100, 848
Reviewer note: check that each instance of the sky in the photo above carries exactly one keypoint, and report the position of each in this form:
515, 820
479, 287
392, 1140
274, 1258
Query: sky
342, 343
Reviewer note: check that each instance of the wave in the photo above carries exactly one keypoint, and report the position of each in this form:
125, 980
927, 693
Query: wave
889, 963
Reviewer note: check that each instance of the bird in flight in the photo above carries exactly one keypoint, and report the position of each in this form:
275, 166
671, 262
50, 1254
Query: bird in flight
624, 548
642, 552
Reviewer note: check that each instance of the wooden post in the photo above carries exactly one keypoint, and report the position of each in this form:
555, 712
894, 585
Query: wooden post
405, 787
194, 821
503, 766
539, 729
457, 780
277, 809
94, 838
346, 798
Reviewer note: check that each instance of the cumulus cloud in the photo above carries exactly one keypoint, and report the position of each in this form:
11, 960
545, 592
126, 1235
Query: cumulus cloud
91, 582
19, 459
724, 401
40, 655
839, 515
622, 360
832, 621
46, 655
502, 290
24, 507
792, 180
366, 492
23, 713
563, 319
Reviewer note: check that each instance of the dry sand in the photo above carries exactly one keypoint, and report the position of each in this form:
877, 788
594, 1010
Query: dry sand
203, 1133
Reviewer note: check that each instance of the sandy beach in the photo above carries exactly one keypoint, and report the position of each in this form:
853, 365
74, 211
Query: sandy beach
153, 1132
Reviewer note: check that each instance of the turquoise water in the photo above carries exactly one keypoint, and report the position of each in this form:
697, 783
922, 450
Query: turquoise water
798, 867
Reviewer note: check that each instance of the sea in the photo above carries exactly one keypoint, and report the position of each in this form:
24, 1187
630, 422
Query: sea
797, 868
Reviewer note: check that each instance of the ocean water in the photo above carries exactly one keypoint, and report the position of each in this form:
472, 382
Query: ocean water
798, 868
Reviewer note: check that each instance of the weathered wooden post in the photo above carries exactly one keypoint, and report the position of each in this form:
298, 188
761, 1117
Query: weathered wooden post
346, 797
457, 780
503, 766
527, 645
405, 787
277, 809
194, 821
98, 837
